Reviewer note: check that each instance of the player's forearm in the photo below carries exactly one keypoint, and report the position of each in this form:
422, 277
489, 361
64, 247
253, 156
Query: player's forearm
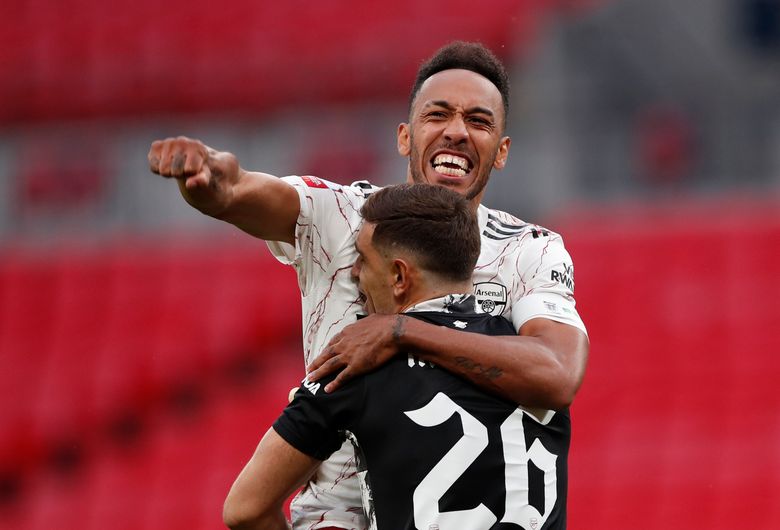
263, 206
247, 506
212, 182
271, 521
528, 370
273, 473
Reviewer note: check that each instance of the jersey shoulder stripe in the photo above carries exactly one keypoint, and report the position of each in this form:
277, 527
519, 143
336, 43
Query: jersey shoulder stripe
499, 229
504, 231
495, 221
494, 233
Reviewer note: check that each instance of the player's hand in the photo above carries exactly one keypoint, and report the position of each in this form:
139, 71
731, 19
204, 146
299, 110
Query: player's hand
206, 177
358, 349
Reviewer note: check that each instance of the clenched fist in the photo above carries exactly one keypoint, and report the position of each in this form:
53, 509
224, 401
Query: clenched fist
205, 177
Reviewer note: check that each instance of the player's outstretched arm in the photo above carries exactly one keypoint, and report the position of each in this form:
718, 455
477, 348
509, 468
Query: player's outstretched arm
214, 183
274, 472
542, 367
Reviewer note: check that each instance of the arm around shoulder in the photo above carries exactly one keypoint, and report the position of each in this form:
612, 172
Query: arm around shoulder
565, 349
541, 367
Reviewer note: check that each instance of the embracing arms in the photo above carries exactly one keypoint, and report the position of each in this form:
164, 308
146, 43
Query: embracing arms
542, 367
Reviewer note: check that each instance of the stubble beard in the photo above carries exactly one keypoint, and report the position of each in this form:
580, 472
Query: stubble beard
418, 177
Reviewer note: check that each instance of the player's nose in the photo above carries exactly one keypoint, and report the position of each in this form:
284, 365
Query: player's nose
456, 130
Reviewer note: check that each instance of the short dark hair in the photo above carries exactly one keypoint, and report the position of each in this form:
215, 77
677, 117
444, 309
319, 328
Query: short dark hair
472, 56
432, 222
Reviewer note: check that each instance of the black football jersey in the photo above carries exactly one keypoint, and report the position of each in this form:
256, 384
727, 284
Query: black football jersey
434, 451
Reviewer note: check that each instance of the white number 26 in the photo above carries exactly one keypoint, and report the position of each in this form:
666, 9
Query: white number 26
460, 457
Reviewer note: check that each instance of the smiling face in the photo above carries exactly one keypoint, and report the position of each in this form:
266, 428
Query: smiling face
454, 136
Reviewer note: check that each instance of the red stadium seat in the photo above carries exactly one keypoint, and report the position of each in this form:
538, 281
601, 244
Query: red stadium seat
128, 63
677, 415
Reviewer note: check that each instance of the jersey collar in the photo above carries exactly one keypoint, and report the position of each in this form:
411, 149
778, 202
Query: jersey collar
452, 303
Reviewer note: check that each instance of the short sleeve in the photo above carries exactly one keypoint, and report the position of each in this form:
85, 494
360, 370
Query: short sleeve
547, 273
329, 218
315, 422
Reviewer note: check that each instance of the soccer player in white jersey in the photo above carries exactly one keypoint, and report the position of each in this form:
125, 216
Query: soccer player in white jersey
454, 138
434, 450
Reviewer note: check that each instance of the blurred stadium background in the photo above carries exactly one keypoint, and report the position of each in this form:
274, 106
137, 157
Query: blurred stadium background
144, 348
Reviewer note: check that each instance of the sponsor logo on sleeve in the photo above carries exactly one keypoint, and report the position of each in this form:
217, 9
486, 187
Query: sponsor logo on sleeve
566, 277
314, 182
491, 297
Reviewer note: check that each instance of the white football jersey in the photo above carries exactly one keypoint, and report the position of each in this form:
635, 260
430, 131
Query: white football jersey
523, 272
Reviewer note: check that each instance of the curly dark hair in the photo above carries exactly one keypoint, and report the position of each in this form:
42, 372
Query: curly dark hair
472, 56
437, 225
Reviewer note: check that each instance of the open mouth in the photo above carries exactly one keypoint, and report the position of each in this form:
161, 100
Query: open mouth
451, 165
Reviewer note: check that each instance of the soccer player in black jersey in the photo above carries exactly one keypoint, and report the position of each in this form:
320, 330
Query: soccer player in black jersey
434, 451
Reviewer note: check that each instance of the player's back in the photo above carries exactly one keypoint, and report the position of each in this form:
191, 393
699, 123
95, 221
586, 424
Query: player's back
443, 454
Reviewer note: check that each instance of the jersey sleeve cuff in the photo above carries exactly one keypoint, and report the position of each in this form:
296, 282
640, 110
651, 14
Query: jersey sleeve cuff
283, 428
284, 252
546, 305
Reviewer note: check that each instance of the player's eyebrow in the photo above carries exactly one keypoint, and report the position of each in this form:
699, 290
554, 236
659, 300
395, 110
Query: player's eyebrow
472, 110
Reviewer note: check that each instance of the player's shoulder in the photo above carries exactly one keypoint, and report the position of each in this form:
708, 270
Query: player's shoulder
358, 187
503, 226
482, 323
364, 187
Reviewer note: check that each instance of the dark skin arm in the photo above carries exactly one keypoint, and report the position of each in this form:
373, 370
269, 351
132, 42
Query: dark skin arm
542, 367
213, 183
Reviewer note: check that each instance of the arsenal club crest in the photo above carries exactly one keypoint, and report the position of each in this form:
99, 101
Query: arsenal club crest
491, 297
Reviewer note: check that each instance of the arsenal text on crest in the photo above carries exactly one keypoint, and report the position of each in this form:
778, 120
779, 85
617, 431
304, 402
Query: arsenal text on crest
491, 297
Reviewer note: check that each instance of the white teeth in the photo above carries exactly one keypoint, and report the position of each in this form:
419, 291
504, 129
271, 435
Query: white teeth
450, 171
451, 159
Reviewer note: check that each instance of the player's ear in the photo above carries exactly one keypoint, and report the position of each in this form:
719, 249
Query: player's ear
503, 153
404, 140
401, 278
